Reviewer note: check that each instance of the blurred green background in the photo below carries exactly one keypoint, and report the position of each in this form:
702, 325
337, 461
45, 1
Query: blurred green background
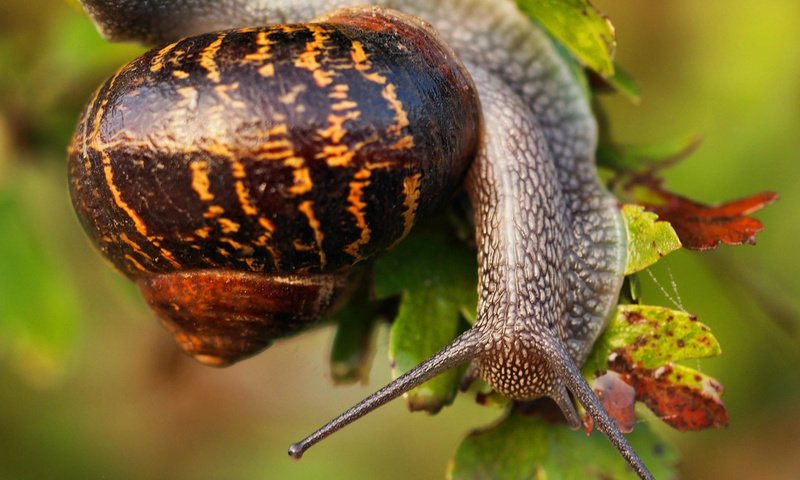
92, 387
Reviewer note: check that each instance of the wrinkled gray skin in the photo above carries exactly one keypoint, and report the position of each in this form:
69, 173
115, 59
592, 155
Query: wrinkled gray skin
551, 246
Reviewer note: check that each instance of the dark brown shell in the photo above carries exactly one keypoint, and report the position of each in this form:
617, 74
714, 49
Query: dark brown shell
286, 150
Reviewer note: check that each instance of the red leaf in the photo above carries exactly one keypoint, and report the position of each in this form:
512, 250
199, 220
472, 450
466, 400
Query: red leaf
702, 227
680, 406
618, 399
683, 403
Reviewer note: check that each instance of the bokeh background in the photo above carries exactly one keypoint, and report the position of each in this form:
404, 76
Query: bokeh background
92, 387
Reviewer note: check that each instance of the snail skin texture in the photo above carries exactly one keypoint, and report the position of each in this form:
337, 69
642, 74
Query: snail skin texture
551, 243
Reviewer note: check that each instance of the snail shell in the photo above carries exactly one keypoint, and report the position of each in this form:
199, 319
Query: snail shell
238, 176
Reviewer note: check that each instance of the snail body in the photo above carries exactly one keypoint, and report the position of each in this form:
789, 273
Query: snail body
551, 244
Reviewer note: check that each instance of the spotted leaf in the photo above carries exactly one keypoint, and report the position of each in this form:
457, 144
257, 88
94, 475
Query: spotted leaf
680, 396
652, 336
641, 345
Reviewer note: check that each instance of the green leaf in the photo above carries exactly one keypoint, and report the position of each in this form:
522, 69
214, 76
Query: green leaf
630, 158
651, 336
586, 32
353, 344
435, 275
38, 312
528, 447
622, 82
648, 239
631, 290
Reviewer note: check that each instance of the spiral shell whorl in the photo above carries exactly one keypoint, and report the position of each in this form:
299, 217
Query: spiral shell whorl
293, 148
252, 159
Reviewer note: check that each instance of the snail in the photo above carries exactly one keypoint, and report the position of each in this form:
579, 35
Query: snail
551, 242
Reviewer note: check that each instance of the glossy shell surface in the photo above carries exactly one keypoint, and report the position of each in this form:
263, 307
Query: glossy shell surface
291, 148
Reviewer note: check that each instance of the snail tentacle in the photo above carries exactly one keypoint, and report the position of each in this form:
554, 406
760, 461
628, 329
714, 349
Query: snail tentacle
569, 373
461, 350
